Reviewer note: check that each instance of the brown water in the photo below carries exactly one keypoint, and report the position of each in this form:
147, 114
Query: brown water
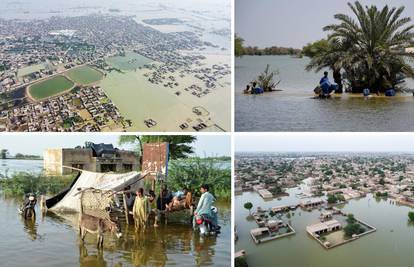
53, 241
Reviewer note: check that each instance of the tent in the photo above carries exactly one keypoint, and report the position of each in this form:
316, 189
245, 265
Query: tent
69, 199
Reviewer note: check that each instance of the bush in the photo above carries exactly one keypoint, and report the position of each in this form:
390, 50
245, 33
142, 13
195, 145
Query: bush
411, 216
23, 183
191, 173
240, 262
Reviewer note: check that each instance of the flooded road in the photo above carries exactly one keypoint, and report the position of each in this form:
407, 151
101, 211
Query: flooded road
53, 241
294, 108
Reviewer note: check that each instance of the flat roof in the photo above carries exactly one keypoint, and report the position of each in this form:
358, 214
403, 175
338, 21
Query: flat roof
322, 226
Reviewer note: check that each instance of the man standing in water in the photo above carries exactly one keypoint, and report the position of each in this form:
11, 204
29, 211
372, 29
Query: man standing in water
205, 204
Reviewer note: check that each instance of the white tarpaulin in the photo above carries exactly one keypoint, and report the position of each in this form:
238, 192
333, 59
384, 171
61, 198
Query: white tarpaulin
103, 181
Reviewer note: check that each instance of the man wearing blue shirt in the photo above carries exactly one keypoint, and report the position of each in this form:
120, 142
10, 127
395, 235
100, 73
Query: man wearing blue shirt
324, 79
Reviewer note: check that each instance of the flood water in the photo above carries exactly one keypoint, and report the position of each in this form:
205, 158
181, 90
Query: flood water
10, 166
390, 245
294, 108
53, 241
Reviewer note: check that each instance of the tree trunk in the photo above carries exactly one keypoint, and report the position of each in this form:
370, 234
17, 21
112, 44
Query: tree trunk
338, 80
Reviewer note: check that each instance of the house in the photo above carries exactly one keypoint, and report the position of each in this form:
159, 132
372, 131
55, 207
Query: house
93, 157
312, 203
265, 194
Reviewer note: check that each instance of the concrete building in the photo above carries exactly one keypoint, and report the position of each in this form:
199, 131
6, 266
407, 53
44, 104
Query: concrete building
323, 227
266, 194
94, 157
312, 203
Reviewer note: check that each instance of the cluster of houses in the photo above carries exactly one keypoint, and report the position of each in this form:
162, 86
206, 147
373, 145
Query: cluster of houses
350, 176
88, 109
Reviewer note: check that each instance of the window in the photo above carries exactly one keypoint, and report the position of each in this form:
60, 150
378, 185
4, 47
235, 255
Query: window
127, 167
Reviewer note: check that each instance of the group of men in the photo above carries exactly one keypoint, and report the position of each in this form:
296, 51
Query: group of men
147, 206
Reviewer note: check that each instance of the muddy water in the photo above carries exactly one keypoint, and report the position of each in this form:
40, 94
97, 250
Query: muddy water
390, 245
53, 241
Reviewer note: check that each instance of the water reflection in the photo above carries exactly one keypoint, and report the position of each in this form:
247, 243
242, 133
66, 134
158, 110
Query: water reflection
30, 227
172, 244
87, 260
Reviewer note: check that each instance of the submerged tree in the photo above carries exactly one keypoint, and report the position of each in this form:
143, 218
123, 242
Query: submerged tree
248, 206
266, 80
238, 46
369, 49
411, 216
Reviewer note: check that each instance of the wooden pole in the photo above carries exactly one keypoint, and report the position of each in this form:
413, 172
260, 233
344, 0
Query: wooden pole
125, 208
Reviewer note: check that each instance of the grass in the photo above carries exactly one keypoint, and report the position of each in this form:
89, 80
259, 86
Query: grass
50, 87
84, 75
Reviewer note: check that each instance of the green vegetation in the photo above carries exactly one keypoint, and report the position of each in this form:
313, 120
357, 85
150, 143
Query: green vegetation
50, 87
238, 46
240, 262
353, 227
266, 81
369, 50
191, 173
4, 153
22, 183
248, 206
240, 50
179, 145
411, 216
277, 190
84, 75
379, 194
23, 156
335, 198
274, 50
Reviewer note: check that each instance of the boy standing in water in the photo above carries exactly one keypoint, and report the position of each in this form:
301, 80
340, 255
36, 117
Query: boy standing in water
140, 209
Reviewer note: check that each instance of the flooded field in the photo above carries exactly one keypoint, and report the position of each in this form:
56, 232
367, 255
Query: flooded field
84, 75
130, 61
294, 108
53, 241
50, 87
390, 245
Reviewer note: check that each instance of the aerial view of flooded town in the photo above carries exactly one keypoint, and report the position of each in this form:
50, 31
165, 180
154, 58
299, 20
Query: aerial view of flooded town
323, 208
115, 66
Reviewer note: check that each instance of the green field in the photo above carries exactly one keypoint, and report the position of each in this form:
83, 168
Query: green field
84, 75
50, 87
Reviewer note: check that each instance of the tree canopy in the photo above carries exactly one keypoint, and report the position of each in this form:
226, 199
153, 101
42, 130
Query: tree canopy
179, 145
369, 48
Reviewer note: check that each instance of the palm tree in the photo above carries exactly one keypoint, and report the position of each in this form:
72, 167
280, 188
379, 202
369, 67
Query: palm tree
266, 80
369, 49
326, 54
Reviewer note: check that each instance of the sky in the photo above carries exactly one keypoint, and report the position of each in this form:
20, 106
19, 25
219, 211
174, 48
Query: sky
294, 23
325, 142
214, 145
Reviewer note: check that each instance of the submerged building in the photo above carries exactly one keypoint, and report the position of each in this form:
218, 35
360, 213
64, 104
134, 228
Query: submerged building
92, 157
